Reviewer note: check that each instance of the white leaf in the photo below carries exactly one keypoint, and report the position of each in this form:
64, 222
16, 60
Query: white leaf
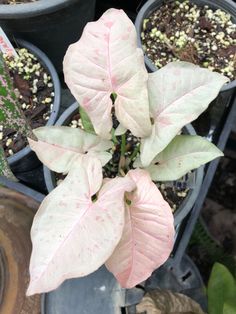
106, 60
58, 146
184, 153
73, 235
178, 94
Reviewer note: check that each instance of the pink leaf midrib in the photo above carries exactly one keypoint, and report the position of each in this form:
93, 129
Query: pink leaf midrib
109, 60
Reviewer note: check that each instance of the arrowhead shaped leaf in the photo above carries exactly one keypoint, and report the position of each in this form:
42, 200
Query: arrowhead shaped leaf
106, 60
184, 153
148, 235
73, 236
178, 93
63, 144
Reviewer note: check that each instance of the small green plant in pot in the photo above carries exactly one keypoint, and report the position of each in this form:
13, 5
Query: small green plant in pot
122, 221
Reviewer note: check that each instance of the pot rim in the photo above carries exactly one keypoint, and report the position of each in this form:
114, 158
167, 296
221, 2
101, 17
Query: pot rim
185, 206
44, 60
151, 5
30, 9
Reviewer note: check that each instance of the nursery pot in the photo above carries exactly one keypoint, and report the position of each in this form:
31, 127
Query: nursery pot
16, 215
25, 159
50, 24
183, 277
207, 122
152, 5
194, 185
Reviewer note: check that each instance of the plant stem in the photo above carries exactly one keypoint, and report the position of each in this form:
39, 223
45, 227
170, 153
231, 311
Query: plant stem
135, 152
122, 155
114, 138
122, 172
123, 144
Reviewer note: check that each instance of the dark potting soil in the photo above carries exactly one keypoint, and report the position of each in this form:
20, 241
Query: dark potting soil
15, 1
35, 92
173, 192
181, 30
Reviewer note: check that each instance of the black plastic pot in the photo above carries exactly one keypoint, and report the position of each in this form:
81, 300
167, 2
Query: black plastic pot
21, 188
183, 277
194, 183
50, 24
206, 124
26, 160
152, 5
99, 292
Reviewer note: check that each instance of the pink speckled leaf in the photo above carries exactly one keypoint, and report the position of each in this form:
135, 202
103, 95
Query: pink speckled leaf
178, 93
148, 234
72, 235
106, 60
183, 154
58, 146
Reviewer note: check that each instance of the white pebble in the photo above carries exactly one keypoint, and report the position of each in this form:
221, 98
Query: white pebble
8, 142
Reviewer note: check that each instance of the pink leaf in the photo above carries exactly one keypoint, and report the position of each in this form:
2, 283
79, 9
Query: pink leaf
148, 234
106, 60
72, 235
58, 146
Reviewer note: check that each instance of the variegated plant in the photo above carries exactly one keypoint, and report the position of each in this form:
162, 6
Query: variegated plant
11, 115
123, 222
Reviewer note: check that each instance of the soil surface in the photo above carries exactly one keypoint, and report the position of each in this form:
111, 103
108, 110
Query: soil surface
35, 92
173, 192
16, 1
198, 34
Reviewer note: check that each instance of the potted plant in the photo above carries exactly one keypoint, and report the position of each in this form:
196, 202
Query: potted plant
38, 94
99, 215
180, 194
40, 22
202, 32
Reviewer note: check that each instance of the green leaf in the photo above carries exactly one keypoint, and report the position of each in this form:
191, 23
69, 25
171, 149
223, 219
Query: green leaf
86, 122
229, 308
221, 291
4, 167
11, 115
184, 153
3, 91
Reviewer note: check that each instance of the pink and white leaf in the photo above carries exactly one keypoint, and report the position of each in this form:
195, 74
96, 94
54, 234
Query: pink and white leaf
73, 236
183, 154
58, 146
148, 235
178, 94
106, 60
